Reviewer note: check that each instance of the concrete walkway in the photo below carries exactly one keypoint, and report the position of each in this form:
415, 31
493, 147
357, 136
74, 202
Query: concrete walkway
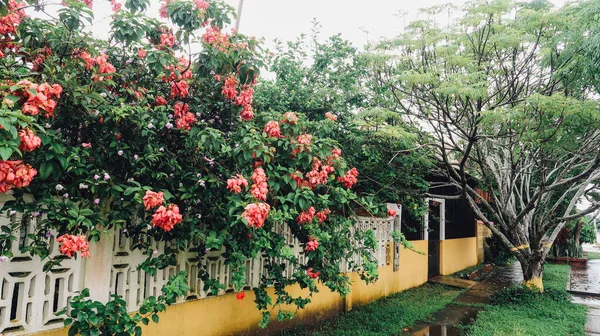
584, 284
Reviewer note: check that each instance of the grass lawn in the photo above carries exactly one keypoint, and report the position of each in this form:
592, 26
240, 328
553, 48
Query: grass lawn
593, 255
544, 316
388, 316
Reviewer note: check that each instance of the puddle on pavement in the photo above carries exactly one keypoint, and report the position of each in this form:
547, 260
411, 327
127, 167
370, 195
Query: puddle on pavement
449, 320
586, 278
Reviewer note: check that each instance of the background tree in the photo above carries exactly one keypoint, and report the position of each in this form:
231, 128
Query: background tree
314, 77
493, 91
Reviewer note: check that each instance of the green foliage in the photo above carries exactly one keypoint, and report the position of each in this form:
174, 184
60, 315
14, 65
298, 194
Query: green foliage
518, 311
92, 318
496, 252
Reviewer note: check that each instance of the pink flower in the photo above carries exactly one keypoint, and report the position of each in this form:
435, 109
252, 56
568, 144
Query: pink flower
272, 129
14, 174
330, 116
319, 174
256, 214
160, 100
179, 89
201, 4
235, 184
86, 145
29, 141
167, 218
141, 53
247, 113
69, 245
245, 96
312, 274
304, 142
153, 199
322, 215
167, 40
290, 117
260, 187
312, 244
229, 89
306, 216
186, 121
349, 180
336, 153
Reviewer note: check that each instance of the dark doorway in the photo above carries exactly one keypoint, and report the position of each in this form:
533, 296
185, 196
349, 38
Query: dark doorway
433, 222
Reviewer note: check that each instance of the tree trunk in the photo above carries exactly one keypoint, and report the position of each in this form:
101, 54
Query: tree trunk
533, 270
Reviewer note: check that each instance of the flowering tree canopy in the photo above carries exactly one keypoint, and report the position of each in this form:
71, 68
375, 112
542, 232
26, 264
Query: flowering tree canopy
141, 133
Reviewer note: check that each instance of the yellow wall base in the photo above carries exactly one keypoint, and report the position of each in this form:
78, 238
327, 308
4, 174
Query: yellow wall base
457, 254
225, 315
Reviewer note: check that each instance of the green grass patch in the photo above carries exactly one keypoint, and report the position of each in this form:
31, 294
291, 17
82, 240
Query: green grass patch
593, 255
463, 274
387, 316
544, 314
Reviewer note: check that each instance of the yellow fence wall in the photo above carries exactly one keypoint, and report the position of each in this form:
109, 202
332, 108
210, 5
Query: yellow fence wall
457, 254
225, 315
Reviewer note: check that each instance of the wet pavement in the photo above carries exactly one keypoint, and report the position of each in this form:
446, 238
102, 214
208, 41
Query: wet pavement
464, 308
584, 283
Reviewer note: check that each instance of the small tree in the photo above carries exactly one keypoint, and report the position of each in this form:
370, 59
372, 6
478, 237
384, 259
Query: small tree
492, 92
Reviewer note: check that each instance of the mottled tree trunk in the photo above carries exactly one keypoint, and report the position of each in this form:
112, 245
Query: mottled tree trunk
533, 271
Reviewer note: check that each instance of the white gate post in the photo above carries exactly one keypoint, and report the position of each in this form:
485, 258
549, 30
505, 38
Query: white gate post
98, 268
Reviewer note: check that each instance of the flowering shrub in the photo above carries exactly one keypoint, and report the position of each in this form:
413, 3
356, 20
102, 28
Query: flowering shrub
103, 133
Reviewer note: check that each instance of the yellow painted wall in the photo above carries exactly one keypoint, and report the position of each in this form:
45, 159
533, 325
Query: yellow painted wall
225, 315
457, 254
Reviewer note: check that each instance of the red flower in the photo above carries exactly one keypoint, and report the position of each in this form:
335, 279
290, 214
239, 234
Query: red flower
167, 218
306, 216
322, 215
290, 117
160, 100
179, 89
153, 199
312, 274
141, 53
69, 245
330, 116
86, 145
240, 295
312, 244
229, 89
391, 212
260, 188
235, 184
245, 97
29, 141
272, 129
256, 214
247, 113
349, 180
14, 174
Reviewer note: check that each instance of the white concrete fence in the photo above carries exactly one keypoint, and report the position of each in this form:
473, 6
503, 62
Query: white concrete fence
30, 298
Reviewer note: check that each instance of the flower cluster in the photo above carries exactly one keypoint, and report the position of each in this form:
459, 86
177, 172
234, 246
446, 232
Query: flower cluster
179, 89
322, 215
15, 174
70, 245
319, 174
167, 218
215, 38
349, 180
38, 97
272, 129
184, 119
312, 244
235, 184
391, 213
229, 89
178, 72
306, 216
14, 16
303, 142
330, 116
260, 188
153, 199
290, 117
29, 141
312, 274
104, 67
256, 214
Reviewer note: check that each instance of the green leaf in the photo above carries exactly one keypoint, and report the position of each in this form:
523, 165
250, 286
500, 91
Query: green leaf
5, 153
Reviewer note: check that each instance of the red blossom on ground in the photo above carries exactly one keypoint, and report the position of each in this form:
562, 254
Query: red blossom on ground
235, 184
260, 188
306, 216
349, 180
153, 199
29, 141
240, 295
70, 245
272, 129
256, 214
312, 244
167, 218
312, 274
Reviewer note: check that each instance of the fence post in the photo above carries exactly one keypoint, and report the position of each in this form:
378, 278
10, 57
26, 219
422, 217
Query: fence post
98, 269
